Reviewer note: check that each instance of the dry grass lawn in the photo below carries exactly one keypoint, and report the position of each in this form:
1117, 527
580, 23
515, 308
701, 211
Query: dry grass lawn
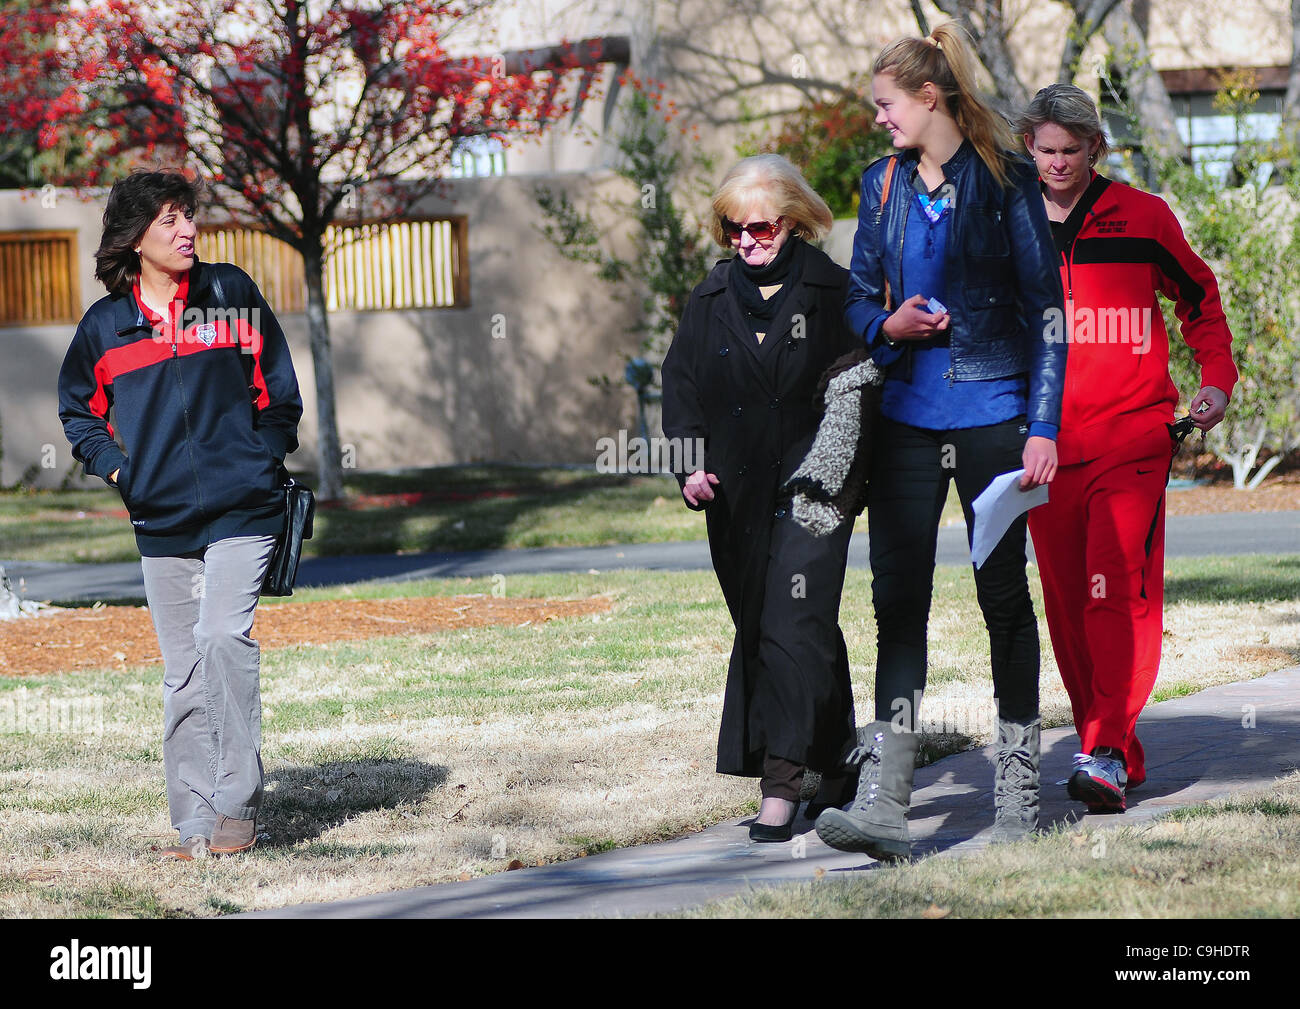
396, 762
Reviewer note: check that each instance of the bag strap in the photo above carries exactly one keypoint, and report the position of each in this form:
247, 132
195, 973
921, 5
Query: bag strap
884, 198
245, 360
889, 177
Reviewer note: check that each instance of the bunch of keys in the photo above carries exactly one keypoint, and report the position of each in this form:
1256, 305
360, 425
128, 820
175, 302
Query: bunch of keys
1184, 426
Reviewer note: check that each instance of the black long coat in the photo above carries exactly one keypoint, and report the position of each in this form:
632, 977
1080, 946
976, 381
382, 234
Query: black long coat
788, 692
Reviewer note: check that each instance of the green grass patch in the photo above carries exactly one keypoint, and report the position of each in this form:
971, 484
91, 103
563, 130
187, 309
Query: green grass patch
114, 900
1266, 806
73, 832
594, 846
1257, 578
443, 508
338, 850
1174, 690
437, 509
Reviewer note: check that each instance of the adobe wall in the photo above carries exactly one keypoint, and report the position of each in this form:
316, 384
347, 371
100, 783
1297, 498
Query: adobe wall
506, 378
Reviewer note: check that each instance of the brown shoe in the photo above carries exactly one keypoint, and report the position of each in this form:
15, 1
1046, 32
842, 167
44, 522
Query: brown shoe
230, 836
187, 851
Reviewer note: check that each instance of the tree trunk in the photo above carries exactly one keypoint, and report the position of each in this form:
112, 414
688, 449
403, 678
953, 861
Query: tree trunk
1146, 90
1291, 104
991, 45
922, 22
1089, 16
329, 453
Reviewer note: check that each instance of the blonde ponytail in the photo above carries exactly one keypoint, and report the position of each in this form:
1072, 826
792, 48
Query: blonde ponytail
947, 59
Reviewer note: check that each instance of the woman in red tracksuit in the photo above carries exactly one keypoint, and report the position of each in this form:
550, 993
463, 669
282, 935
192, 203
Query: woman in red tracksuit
1100, 540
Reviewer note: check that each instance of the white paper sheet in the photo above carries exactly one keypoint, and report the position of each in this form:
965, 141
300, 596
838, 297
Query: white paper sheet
998, 505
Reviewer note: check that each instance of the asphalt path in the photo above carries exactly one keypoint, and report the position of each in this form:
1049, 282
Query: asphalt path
1186, 536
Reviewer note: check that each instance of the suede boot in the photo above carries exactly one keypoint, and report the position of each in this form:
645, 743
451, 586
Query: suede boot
1016, 780
230, 836
876, 823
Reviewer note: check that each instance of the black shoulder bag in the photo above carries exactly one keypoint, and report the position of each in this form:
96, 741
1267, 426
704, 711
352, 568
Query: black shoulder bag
299, 510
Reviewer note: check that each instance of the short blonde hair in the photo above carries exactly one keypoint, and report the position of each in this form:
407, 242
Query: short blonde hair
783, 183
1073, 110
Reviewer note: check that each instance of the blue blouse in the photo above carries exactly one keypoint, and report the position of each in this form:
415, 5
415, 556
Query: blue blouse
930, 398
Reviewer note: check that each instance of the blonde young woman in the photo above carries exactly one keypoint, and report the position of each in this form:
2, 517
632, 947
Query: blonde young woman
953, 275
741, 377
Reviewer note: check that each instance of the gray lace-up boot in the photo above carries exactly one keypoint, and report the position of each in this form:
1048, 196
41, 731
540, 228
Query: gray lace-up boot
876, 823
1015, 780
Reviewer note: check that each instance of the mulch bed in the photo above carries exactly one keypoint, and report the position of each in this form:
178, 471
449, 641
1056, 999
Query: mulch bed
1275, 494
119, 636
116, 636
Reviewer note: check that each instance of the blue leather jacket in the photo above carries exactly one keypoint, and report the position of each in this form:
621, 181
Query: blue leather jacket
1002, 273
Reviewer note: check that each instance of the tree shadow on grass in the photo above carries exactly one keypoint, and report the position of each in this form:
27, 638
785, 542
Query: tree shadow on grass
463, 508
304, 802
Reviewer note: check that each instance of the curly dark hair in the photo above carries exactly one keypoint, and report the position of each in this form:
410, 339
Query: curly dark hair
134, 203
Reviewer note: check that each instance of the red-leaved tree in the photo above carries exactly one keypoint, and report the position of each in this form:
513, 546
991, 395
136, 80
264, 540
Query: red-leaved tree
284, 107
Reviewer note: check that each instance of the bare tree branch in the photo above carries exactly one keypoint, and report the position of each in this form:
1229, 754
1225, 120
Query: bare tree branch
922, 22
992, 47
1147, 93
1088, 18
1291, 103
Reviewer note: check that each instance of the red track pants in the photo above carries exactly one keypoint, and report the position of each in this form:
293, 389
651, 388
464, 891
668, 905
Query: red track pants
1100, 543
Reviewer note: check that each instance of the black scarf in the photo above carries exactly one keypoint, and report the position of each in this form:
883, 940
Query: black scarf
746, 280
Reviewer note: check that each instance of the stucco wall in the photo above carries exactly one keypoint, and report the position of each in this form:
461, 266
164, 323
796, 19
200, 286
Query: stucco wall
413, 388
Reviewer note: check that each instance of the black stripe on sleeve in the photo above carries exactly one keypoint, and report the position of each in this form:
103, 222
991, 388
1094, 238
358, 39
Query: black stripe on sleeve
1142, 251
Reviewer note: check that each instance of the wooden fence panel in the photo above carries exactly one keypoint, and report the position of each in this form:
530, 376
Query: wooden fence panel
39, 284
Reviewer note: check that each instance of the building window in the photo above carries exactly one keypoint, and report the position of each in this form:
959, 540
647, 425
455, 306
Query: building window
38, 278
1212, 137
368, 267
408, 264
476, 157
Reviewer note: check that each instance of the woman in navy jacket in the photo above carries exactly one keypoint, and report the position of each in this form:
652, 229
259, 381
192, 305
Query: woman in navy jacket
196, 370
952, 279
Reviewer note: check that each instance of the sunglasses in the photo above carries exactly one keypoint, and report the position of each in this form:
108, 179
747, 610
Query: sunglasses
759, 231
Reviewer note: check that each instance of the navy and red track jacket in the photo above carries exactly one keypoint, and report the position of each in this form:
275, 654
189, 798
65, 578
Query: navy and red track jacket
206, 403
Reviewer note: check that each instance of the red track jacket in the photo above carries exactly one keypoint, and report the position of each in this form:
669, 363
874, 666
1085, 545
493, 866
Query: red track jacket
1119, 247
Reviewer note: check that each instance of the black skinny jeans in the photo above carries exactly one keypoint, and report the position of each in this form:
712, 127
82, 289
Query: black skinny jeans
909, 482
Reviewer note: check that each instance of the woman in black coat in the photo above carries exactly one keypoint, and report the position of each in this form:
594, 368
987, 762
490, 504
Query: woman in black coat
741, 376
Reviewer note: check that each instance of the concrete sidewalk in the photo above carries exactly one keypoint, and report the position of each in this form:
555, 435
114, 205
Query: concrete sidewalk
1186, 536
1199, 748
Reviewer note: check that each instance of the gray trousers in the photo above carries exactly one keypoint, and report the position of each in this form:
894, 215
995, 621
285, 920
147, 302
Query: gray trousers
202, 607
